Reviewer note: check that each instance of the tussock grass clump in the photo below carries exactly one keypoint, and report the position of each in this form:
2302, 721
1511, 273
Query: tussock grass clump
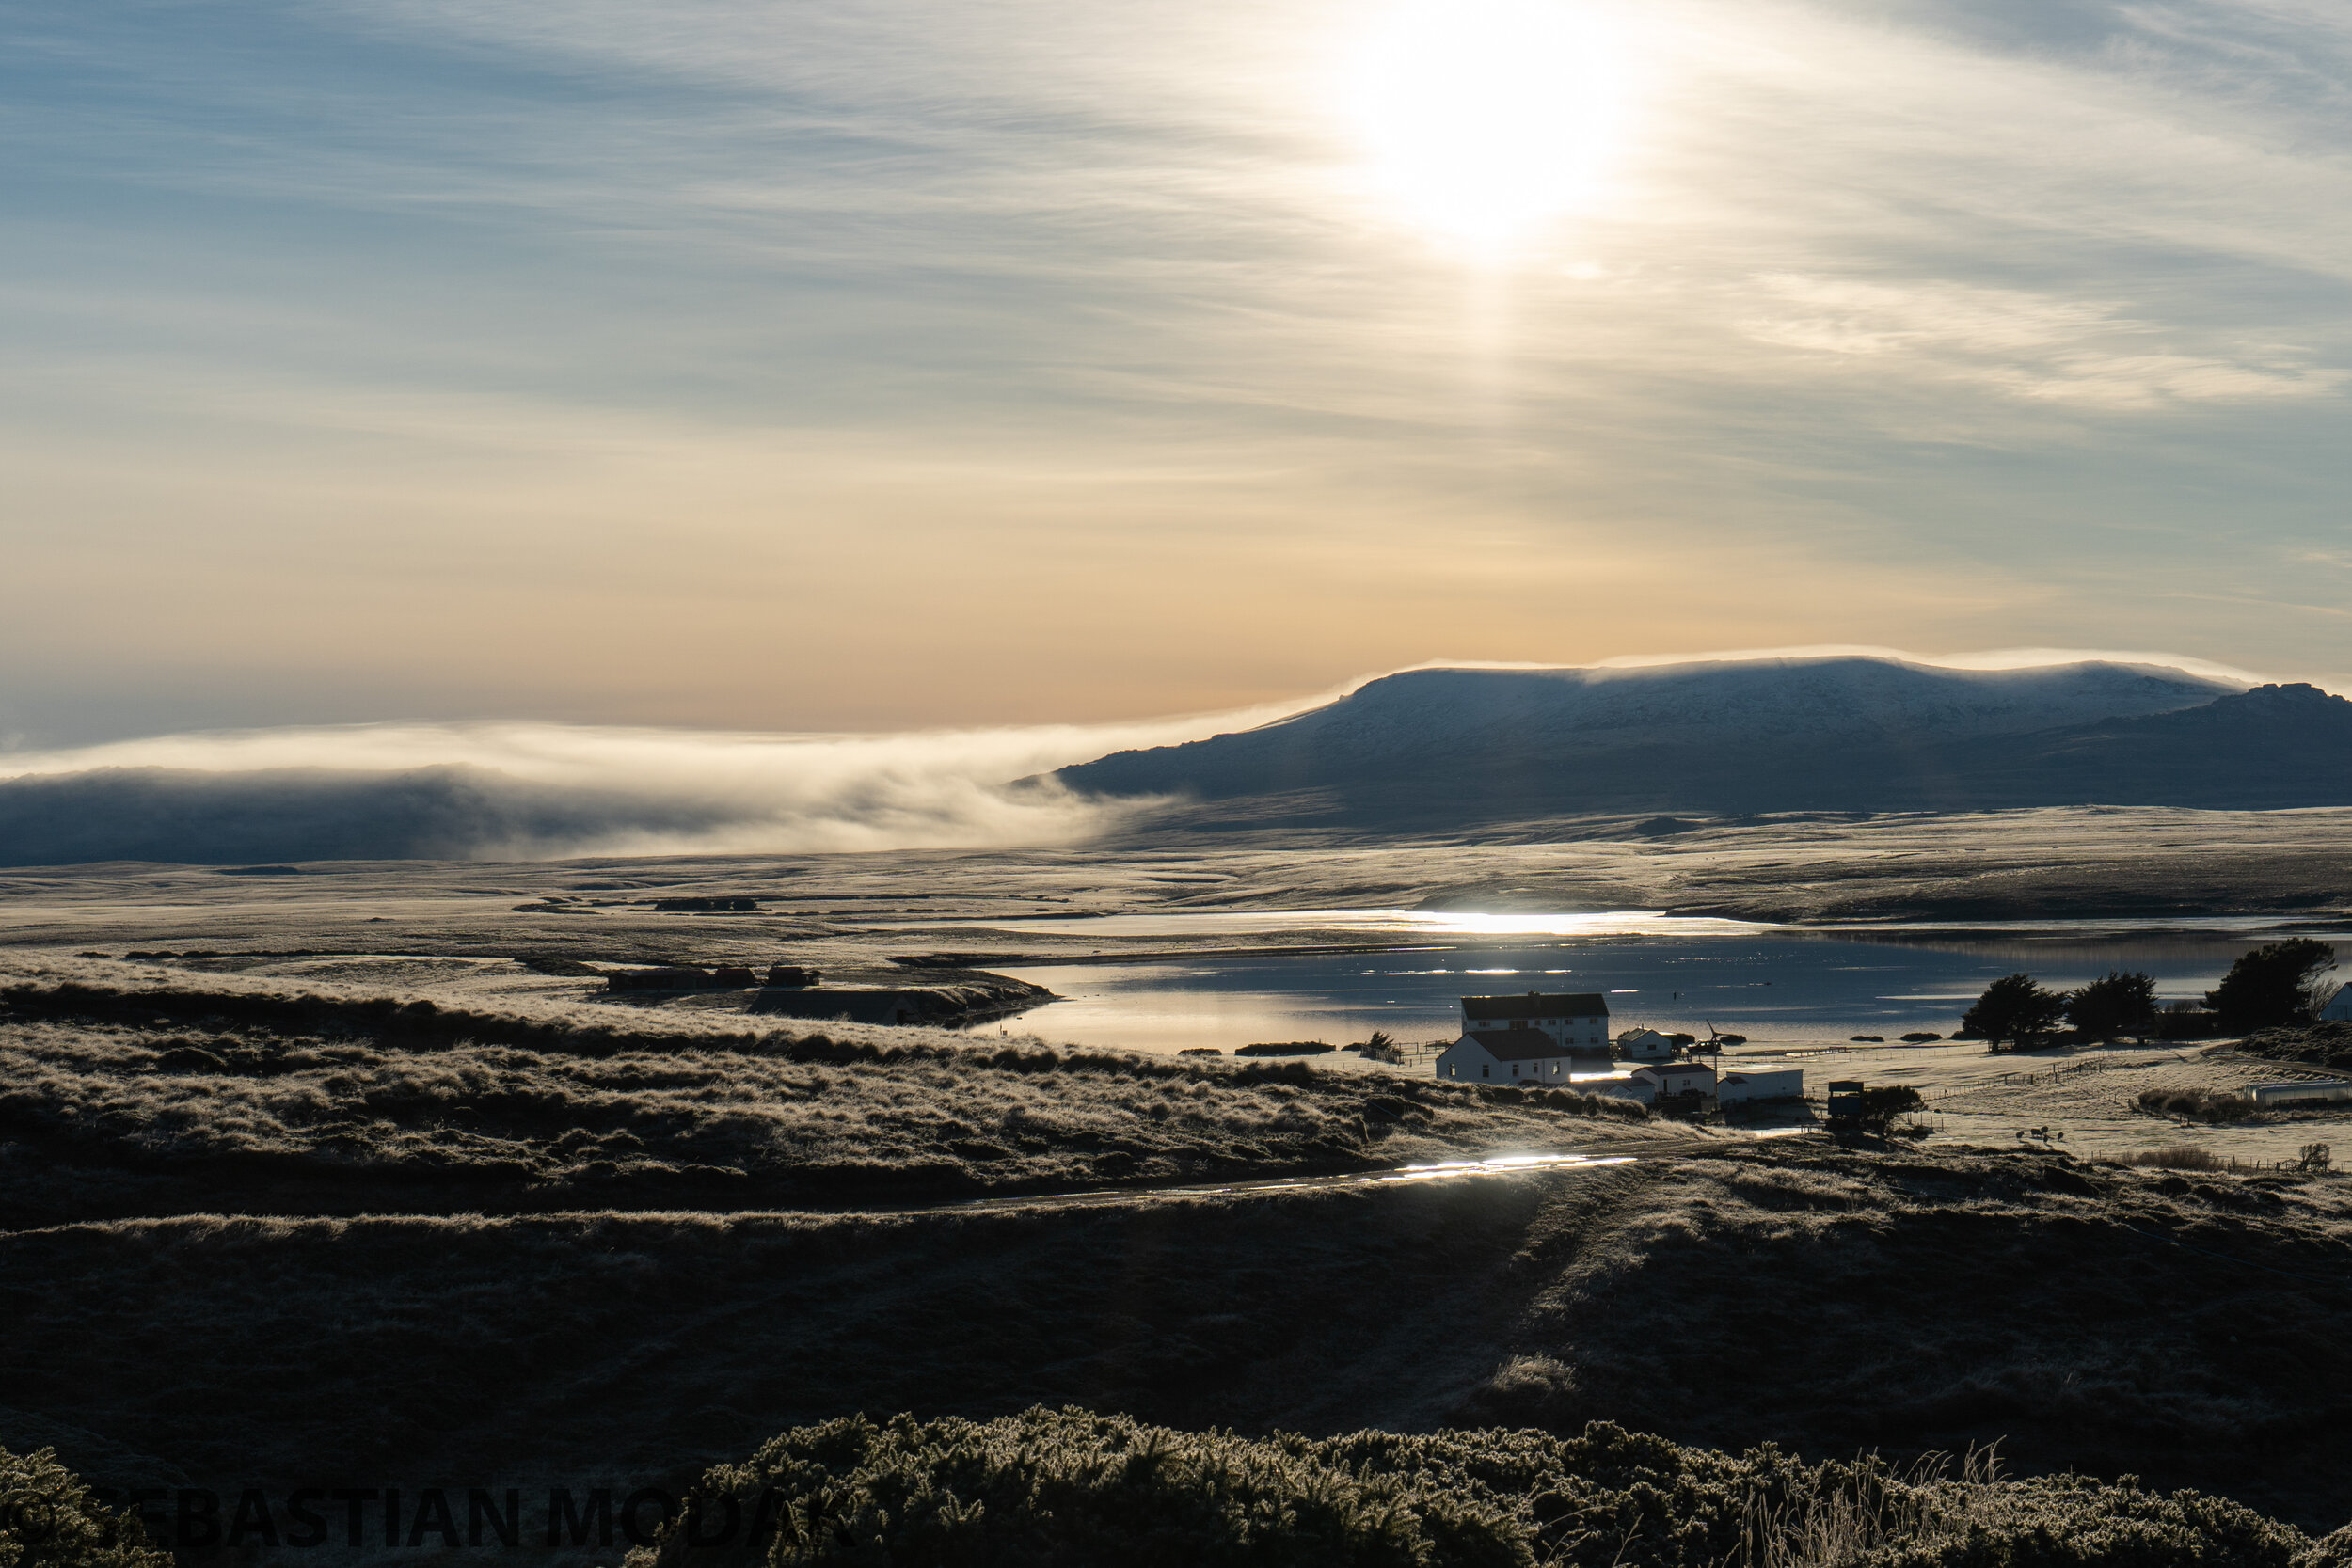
48, 1519
2197, 1104
1071, 1487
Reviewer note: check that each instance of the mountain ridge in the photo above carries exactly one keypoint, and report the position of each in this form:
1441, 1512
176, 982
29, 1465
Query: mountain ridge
1432, 749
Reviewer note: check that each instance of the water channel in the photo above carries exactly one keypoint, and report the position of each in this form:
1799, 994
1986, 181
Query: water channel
1778, 986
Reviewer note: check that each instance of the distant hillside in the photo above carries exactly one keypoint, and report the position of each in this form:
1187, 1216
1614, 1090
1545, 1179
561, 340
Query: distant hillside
2272, 746
1432, 748
310, 814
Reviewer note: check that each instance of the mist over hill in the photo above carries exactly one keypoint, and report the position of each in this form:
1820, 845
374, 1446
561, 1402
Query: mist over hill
531, 790
1424, 751
315, 813
1438, 748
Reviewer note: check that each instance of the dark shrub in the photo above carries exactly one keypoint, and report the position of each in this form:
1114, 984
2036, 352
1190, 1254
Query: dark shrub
2196, 1105
1069, 1489
2185, 1021
2328, 1551
1054, 1487
2077, 1521
2182, 1157
49, 1520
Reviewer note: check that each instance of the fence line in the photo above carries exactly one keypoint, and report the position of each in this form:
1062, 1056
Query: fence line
2063, 1068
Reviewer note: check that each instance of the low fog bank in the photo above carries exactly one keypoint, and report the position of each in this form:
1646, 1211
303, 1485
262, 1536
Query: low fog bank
534, 791
541, 791
151, 813
463, 813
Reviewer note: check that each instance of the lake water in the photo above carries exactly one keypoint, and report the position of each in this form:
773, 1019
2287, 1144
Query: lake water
1776, 986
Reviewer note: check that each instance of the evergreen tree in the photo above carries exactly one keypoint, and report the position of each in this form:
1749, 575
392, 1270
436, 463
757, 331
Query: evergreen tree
2271, 985
2121, 1004
2013, 1009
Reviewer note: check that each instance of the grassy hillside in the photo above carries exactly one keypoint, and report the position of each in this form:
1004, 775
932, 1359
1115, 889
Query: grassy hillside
282, 1234
202, 1093
2098, 1319
2328, 1044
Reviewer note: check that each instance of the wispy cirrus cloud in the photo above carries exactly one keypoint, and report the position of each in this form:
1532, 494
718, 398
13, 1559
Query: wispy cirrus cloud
2031, 346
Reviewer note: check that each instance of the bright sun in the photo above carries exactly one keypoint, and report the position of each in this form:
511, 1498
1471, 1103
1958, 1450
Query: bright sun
1487, 118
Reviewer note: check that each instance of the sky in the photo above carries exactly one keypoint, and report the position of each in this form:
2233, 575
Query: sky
759, 366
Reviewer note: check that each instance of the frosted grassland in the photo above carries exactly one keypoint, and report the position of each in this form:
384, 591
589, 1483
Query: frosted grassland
127, 1090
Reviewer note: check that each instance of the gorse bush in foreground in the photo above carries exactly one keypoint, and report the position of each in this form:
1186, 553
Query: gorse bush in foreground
1049, 1488
49, 1520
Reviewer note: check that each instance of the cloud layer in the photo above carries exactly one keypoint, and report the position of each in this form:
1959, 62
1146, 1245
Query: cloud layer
498, 791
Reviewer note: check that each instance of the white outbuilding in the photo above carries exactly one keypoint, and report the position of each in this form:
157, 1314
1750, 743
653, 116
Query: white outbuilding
2306, 1091
1748, 1083
1623, 1084
2338, 1008
1667, 1079
1511, 1056
1646, 1045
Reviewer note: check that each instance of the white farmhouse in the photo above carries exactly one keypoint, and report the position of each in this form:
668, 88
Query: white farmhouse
2339, 1006
1577, 1022
1672, 1078
1509, 1056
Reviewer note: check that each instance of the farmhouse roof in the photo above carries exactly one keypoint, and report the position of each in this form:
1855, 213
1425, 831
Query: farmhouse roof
1519, 1045
1674, 1069
1590, 1004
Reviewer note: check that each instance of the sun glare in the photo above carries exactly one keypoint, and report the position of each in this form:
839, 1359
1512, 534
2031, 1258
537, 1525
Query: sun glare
1486, 119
